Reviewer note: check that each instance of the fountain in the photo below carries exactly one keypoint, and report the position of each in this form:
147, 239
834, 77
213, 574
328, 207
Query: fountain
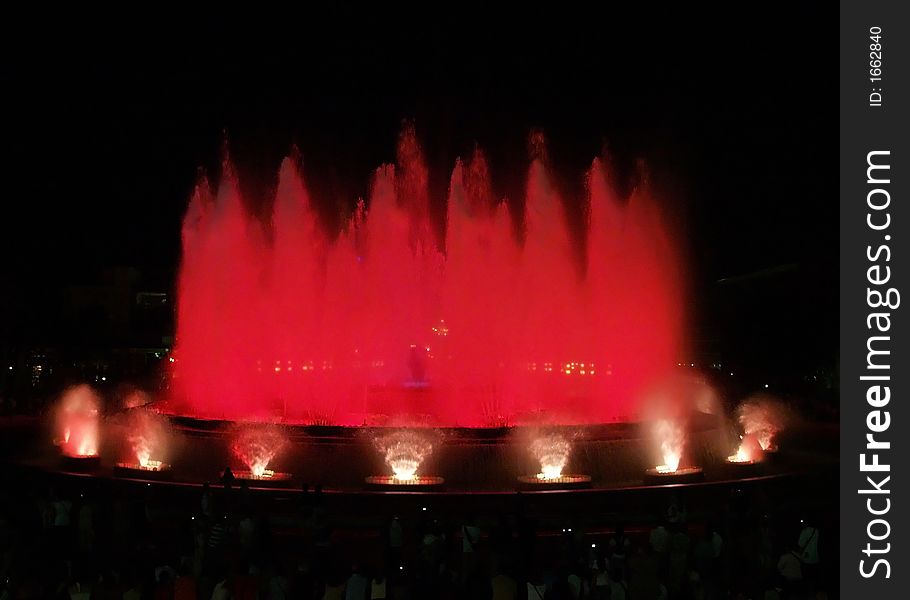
670, 434
748, 454
148, 439
383, 323
255, 446
552, 452
77, 427
763, 417
404, 451
553, 317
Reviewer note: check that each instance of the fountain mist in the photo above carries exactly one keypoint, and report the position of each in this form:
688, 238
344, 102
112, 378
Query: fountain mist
76, 418
404, 451
256, 446
748, 451
763, 417
671, 437
149, 437
552, 452
379, 324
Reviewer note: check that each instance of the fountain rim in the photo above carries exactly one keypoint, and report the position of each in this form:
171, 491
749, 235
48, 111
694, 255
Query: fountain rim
697, 422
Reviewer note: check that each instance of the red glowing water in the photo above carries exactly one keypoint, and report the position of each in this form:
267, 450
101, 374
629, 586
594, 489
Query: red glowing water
380, 325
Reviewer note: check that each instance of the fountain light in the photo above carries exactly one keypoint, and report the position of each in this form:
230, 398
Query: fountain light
148, 436
749, 451
662, 474
377, 304
256, 446
404, 451
670, 436
77, 418
149, 469
740, 457
764, 417
552, 453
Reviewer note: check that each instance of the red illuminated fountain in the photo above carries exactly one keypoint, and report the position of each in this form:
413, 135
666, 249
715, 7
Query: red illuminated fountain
762, 418
383, 324
256, 446
670, 435
148, 438
404, 451
77, 427
552, 452
748, 454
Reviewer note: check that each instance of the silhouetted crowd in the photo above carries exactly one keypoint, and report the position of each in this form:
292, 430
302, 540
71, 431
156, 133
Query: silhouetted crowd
62, 542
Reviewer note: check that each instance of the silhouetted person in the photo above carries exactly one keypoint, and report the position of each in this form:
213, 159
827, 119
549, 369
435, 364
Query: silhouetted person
396, 541
619, 553
227, 478
808, 547
245, 498
205, 503
470, 538
305, 491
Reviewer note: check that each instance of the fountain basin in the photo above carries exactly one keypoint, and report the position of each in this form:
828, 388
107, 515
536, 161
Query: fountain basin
563, 482
656, 476
80, 464
154, 470
267, 479
414, 484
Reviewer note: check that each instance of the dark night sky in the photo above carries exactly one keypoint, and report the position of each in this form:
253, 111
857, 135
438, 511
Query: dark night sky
735, 113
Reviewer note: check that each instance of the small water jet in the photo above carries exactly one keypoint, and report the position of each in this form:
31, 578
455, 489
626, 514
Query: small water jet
148, 439
672, 439
749, 452
77, 426
404, 451
256, 446
763, 418
670, 435
552, 452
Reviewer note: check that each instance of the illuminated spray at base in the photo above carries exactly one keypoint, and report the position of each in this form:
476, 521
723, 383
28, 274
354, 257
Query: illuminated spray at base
671, 438
404, 451
148, 435
763, 418
552, 452
256, 446
77, 422
748, 451
386, 321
